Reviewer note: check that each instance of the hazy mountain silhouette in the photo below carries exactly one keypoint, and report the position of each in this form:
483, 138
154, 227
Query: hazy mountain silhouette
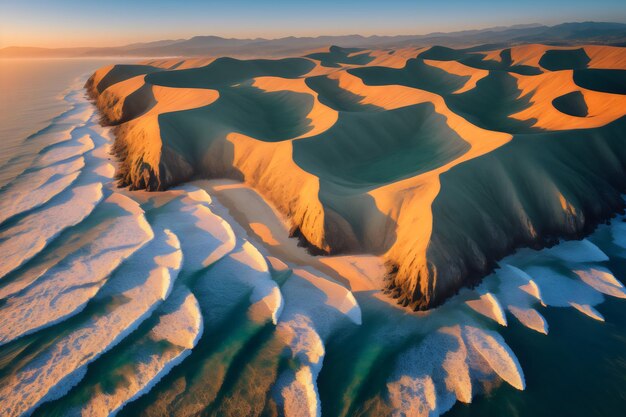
566, 33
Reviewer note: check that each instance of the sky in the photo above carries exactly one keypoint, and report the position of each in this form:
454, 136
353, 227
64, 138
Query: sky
70, 23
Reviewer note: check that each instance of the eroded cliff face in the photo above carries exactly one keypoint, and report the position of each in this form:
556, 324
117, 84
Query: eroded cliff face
442, 161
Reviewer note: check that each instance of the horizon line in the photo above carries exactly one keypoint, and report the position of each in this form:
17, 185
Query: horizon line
485, 28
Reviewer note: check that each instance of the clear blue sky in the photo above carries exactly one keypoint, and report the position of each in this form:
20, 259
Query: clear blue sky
117, 22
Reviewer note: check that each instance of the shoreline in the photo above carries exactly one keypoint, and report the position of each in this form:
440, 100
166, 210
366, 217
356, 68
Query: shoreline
262, 221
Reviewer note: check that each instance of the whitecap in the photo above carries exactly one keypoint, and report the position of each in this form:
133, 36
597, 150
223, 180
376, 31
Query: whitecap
31, 234
65, 289
34, 188
131, 294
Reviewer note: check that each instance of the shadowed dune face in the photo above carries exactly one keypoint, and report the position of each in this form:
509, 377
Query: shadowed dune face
416, 74
367, 151
337, 56
499, 60
571, 103
441, 160
121, 73
606, 81
266, 116
491, 102
332, 95
555, 60
546, 195
229, 71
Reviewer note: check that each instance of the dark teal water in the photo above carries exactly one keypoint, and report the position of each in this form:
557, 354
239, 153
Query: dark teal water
578, 370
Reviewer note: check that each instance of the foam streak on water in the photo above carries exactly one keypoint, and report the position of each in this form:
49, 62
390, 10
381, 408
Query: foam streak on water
135, 303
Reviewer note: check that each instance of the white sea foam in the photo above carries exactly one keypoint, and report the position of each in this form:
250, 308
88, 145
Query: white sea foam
519, 294
207, 237
242, 274
65, 289
296, 389
132, 293
63, 151
315, 306
32, 233
179, 324
576, 251
494, 350
489, 306
558, 290
431, 375
323, 290
35, 188
588, 310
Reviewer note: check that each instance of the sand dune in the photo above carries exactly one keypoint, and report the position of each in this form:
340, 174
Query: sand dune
386, 151
605, 57
196, 301
547, 91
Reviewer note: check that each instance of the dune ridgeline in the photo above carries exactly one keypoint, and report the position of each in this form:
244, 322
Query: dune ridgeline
440, 160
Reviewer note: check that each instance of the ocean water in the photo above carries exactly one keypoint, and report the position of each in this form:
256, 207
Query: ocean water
31, 96
152, 304
578, 370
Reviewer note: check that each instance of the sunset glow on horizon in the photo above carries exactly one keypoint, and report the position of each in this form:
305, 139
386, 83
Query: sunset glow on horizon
72, 23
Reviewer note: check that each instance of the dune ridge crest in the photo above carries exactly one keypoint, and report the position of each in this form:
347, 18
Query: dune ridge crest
441, 160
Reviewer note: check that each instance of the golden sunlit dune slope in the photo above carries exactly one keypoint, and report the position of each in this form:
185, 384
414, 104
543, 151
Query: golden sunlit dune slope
441, 160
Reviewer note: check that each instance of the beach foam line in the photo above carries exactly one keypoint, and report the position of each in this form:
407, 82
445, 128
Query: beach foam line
242, 278
429, 377
59, 130
65, 289
180, 324
315, 307
519, 294
96, 174
208, 237
266, 298
489, 306
295, 390
63, 151
34, 188
129, 297
31, 234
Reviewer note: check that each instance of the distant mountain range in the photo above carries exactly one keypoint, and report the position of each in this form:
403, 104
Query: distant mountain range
566, 33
